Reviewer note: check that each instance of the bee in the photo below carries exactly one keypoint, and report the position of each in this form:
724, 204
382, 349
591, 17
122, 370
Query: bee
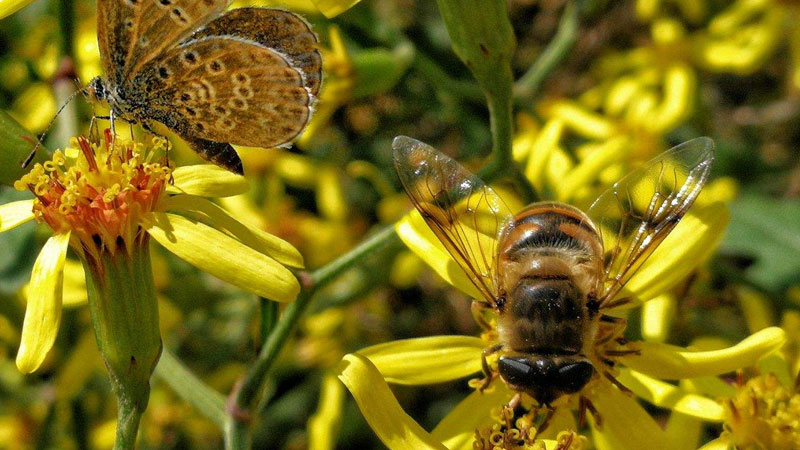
550, 271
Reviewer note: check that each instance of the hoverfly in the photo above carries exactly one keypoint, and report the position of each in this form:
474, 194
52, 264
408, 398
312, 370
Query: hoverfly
550, 271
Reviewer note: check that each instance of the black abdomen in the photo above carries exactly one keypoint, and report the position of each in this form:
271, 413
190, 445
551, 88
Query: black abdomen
548, 316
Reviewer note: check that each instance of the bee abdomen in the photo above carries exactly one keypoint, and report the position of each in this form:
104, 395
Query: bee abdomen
547, 315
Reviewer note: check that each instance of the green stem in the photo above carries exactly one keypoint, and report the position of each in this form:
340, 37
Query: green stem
128, 415
192, 389
526, 88
269, 316
244, 395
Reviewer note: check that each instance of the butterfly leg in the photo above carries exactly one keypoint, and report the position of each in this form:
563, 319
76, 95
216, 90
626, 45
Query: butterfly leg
488, 374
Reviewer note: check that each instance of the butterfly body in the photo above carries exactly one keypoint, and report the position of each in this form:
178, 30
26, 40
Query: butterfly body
248, 76
549, 272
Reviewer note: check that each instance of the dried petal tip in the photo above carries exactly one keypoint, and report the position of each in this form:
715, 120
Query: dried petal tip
98, 191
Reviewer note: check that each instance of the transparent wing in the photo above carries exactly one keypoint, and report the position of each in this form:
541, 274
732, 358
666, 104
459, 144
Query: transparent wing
639, 211
467, 216
132, 32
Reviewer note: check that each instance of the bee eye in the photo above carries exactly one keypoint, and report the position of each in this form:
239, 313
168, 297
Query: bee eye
573, 377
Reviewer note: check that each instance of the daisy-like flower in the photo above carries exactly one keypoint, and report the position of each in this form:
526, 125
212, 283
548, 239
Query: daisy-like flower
617, 420
106, 201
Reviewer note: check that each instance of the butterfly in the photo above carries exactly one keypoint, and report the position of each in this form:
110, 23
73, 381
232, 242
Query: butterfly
248, 76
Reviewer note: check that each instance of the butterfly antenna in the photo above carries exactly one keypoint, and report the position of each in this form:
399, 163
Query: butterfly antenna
28, 160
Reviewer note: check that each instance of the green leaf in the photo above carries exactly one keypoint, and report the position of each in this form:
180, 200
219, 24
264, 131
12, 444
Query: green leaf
768, 230
17, 145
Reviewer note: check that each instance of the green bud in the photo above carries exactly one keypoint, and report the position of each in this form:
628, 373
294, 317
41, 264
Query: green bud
17, 144
482, 37
124, 309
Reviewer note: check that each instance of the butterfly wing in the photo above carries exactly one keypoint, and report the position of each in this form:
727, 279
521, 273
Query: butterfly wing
280, 30
639, 211
131, 33
227, 89
467, 216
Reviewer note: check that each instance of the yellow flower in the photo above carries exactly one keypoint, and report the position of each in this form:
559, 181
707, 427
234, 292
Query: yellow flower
109, 198
620, 422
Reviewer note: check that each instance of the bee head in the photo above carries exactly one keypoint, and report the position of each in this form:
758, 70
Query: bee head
96, 90
545, 378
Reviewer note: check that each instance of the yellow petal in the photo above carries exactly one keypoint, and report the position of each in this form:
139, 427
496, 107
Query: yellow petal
689, 245
668, 362
43, 313
716, 444
414, 232
207, 180
222, 256
756, 309
457, 430
669, 396
396, 429
74, 290
427, 360
8, 7
587, 171
332, 8
683, 431
216, 217
657, 317
15, 213
625, 424
323, 427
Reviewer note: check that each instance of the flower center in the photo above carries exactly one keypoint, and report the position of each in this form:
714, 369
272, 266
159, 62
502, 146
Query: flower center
98, 191
764, 414
515, 429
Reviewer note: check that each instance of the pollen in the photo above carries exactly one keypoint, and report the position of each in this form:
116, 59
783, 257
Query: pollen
98, 190
763, 414
513, 430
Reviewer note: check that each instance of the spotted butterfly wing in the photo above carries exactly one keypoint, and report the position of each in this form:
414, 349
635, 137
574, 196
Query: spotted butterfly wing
132, 32
227, 90
467, 216
245, 77
280, 30
638, 212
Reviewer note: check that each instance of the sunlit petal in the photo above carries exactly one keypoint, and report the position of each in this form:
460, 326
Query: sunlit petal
668, 362
222, 256
207, 180
427, 360
625, 424
657, 317
380, 408
669, 396
43, 313
323, 427
683, 431
457, 430
716, 444
259, 240
420, 239
332, 8
15, 213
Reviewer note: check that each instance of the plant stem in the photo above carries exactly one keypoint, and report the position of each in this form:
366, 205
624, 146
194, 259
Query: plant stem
244, 394
128, 415
526, 88
192, 389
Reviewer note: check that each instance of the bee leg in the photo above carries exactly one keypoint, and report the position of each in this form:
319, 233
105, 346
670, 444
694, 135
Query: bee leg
616, 303
546, 421
489, 375
584, 404
477, 308
617, 383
